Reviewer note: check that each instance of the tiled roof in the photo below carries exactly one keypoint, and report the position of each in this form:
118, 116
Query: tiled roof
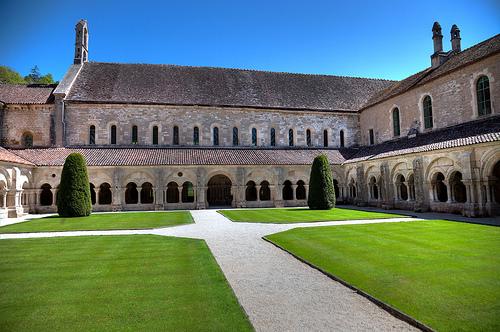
474, 132
26, 93
9, 157
144, 156
207, 86
479, 51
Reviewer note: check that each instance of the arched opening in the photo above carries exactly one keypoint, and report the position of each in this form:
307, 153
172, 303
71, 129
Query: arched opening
219, 191
495, 187
483, 96
236, 139
374, 194
264, 191
336, 188
458, 190
395, 122
175, 136
46, 196
147, 196
27, 140
196, 136
273, 137
172, 192
254, 136
187, 192
3, 193
287, 191
440, 189
216, 136
308, 137
251, 191
300, 192
135, 135
105, 194
325, 138
342, 142
155, 135
92, 194
352, 188
92, 135
411, 187
290, 137
113, 134
402, 189
427, 106
131, 194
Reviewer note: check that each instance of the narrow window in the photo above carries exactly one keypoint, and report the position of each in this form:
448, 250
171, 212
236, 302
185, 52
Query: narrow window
483, 96
92, 135
372, 138
290, 137
196, 136
342, 139
427, 104
216, 136
395, 122
308, 137
236, 140
134, 134
325, 138
27, 140
155, 135
113, 134
273, 137
254, 137
175, 140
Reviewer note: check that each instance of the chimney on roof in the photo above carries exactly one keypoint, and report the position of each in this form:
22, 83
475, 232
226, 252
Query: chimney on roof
455, 39
81, 43
438, 57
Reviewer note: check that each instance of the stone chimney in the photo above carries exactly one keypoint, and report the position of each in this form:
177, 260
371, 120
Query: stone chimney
455, 39
438, 57
81, 42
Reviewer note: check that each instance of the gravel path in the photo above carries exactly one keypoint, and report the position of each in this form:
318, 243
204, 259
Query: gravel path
278, 292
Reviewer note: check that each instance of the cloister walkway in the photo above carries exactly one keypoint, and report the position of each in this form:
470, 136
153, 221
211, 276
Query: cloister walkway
278, 292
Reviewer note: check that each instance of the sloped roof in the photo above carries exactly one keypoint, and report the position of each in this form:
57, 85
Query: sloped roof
144, 156
27, 93
473, 132
208, 86
9, 157
477, 52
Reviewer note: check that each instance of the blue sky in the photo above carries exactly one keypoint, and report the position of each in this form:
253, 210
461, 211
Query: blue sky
383, 39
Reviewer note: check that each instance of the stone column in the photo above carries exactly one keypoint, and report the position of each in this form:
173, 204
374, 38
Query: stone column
421, 202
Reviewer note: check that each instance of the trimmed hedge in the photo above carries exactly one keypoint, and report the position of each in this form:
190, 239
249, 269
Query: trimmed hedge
73, 197
321, 190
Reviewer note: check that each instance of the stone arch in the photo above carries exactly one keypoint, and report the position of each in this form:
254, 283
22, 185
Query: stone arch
105, 194
457, 187
401, 187
147, 196
300, 191
46, 196
219, 190
264, 191
131, 193
251, 191
373, 187
187, 192
439, 187
440, 164
287, 190
172, 192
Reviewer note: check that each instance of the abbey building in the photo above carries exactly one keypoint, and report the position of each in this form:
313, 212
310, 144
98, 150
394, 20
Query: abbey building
160, 137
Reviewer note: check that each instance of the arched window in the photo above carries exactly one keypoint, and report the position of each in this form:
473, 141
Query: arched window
113, 134
427, 106
236, 140
27, 140
458, 190
290, 137
308, 137
440, 189
287, 191
175, 137
342, 143
395, 122
251, 191
196, 136
172, 192
92, 135
131, 194
46, 196
264, 191
216, 136
105, 194
147, 196
402, 189
483, 96
155, 135
300, 192
273, 137
134, 135
254, 137
372, 137
187, 192
92, 194
325, 138
374, 194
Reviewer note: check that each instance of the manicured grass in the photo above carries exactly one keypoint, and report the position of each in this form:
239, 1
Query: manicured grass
114, 283
298, 215
442, 273
102, 221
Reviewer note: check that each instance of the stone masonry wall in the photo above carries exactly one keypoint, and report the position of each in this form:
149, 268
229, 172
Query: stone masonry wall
35, 119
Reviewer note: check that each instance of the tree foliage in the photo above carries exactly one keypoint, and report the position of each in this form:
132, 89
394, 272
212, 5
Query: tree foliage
73, 198
321, 189
10, 76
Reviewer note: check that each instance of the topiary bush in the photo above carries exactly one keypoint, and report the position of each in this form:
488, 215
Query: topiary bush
73, 198
321, 190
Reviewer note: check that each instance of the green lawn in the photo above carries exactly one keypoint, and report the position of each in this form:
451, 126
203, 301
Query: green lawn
114, 283
102, 221
298, 215
445, 274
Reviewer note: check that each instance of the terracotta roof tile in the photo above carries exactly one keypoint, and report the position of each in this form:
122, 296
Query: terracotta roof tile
10, 157
26, 94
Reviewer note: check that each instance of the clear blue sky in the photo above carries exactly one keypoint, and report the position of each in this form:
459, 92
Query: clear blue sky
384, 39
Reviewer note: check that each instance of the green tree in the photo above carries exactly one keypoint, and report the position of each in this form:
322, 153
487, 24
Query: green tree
73, 198
10, 76
34, 77
321, 190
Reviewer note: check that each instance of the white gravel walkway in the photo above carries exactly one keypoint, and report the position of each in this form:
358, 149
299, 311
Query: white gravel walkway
278, 292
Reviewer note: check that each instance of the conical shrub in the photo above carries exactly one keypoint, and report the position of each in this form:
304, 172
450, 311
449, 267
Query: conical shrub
321, 190
73, 197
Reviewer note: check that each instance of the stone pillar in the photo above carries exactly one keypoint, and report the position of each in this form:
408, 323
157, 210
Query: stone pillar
421, 201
